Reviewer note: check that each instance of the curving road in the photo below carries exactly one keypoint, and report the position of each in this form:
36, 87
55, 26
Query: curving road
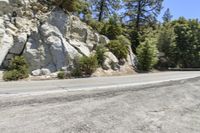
149, 103
91, 83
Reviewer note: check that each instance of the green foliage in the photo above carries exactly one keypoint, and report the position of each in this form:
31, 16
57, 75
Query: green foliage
85, 66
112, 29
166, 44
100, 54
102, 9
119, 47
147, 55
135, 39
71, 5
61, 75
187, 43
167, 16
10, 75
96, 25
142, 12
18, 69
124, 40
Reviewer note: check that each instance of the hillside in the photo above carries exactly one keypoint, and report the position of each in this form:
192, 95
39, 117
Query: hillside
49, 38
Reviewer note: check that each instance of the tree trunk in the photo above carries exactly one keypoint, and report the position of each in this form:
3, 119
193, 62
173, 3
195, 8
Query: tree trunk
137, 25
101, 10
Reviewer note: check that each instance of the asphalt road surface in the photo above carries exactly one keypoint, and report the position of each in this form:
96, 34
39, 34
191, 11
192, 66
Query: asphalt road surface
155, 103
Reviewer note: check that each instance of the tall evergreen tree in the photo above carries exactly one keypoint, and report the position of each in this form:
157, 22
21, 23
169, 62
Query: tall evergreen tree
104, 8
167, 16
142, 11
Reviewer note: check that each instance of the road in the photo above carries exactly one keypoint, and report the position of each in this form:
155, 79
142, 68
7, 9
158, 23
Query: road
91, 83
135, 105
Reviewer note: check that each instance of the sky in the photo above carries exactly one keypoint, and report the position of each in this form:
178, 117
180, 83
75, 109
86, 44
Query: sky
188, 8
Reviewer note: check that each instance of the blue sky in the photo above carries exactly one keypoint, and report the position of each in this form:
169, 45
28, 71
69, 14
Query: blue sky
178, 8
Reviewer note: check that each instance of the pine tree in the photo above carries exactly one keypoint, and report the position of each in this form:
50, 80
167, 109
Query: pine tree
104, 8
167, 16
141, 12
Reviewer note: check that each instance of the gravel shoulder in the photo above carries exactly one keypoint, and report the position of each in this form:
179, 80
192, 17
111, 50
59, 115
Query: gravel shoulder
169, 108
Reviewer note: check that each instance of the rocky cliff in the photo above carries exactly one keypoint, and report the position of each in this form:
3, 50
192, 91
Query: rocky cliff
49, 38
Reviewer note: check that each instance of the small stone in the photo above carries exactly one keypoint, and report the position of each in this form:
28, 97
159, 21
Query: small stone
45, 71
36, 72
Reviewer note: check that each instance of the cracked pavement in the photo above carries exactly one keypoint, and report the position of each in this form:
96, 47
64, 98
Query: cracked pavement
170, 108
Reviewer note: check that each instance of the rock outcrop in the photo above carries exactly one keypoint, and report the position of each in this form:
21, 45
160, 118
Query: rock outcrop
48, 39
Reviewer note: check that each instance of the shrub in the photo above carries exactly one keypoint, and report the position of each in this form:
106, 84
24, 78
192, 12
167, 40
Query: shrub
70, 5
147, 55
112, 29
123, 40
100, 54
10, 75
96, 25
18, 69
85, 66
118, 48
61, 75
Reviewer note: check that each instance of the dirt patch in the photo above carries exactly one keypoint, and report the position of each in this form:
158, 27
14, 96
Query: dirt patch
124, 70
1, 75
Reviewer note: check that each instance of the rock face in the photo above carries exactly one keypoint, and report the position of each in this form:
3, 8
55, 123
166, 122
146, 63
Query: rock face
110, 62
49, 40
6, 40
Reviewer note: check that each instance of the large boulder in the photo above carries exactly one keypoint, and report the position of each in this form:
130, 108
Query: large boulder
56, 49
61, 51
34, 51
6, 41
47, 48
19, 44
111, 61
8, 6
80, 32
4, 7
131, 58
61, 20
80, 46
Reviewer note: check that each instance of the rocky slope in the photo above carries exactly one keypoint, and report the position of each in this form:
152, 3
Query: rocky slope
47, 37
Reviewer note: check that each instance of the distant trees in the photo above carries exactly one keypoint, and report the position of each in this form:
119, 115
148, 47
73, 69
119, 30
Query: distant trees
166, 44
187, 42
179, 40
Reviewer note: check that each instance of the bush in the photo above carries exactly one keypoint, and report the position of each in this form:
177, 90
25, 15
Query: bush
70, 5
100, 54
18, 69
10, 75
118, 48
123, 40
112, 29
147, 55
96, 25
85, 66
61, 75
